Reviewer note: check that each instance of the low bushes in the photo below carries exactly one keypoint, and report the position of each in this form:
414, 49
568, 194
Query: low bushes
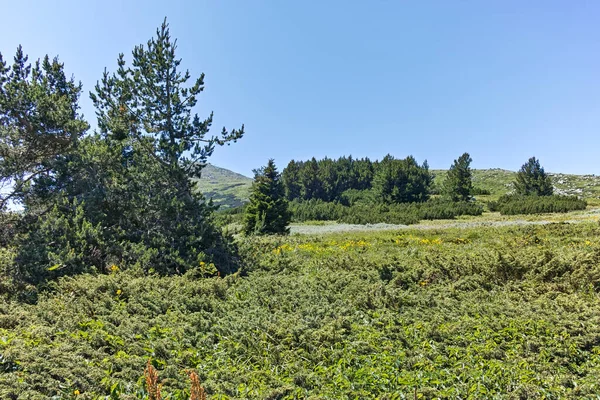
484, 312
477, 191
365, 213
512, 204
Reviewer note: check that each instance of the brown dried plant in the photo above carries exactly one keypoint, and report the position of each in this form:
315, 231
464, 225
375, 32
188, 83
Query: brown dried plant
152, 385
197, 392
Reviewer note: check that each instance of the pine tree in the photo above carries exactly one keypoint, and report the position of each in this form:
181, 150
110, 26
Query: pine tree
401, 181
152, 103
458, 185
533, 180
291, 180
147, 110
311, 186
39, 122
133, 181
267, 212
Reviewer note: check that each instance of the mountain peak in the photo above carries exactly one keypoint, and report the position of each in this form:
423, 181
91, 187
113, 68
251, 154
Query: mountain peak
224, 187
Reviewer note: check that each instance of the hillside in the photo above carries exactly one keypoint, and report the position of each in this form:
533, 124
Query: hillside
499, 181
225, 187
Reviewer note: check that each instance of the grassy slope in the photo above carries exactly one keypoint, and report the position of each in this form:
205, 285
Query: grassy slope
225, 187
477, 313
499, 181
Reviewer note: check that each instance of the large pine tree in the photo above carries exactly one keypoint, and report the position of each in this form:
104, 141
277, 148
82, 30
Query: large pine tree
127, 195
458, 184
533, 180
267, 212
147, 109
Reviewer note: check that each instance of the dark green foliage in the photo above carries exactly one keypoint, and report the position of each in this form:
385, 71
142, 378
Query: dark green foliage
126, 196
290, 178
401, 181
477, 191
117, 205
353, 196
39, 122
458, 185
372, 213
316, 210
9, 222
514, 204
311, 186
326, 179
532, 180
267, 212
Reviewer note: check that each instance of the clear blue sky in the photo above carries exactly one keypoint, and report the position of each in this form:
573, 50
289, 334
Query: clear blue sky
503, 80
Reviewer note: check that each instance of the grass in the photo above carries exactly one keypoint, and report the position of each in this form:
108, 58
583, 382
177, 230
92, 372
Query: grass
486, 312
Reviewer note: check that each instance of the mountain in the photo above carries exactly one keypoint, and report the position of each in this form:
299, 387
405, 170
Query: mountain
225, 187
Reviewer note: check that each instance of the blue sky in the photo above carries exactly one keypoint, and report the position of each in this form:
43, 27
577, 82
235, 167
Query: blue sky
503, 80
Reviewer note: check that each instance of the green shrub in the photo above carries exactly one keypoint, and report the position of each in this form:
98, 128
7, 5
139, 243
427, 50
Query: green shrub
514, 204
372, 213
454, 313
234, 215
477, 191
67, 242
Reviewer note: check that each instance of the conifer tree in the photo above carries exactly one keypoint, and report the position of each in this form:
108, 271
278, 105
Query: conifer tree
267, 212
310, 184
152, 103
147, 110
39, 122
458, 185
533, 180
401, 181
291, 180
132, 182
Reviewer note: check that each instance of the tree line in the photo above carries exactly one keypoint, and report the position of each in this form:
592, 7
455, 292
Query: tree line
390, 180
391, 190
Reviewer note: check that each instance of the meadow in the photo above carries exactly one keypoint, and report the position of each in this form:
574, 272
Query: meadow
484, 312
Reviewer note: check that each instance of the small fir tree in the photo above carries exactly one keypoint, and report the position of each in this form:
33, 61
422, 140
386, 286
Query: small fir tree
458, 185
533, 180
267, 212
